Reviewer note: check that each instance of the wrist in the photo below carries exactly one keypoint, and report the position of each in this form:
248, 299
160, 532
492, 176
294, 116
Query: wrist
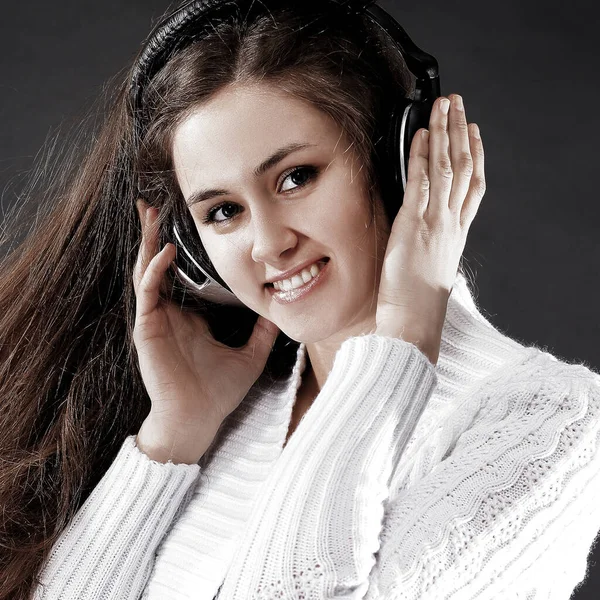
426, 343
166, 442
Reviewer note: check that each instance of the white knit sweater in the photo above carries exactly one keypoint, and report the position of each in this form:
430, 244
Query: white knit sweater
476, 478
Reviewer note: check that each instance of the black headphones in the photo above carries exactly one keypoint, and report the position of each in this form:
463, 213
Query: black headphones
408, 115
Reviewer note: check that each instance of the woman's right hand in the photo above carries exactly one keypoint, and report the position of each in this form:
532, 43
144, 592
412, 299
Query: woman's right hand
193, 380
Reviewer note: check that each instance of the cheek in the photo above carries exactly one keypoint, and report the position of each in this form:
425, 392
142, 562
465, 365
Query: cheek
354, 221
227, 263
221, 254
233, 265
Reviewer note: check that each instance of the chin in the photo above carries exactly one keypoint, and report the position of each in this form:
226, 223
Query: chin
305, 335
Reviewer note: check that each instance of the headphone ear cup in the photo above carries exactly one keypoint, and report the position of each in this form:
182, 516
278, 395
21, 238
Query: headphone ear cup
192, 265
190, 249
407, 118
417, 118
390, 160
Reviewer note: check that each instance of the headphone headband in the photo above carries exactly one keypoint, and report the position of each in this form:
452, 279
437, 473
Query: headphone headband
183, 25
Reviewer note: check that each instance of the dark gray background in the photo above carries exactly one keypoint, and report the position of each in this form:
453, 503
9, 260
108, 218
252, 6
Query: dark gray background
526, 70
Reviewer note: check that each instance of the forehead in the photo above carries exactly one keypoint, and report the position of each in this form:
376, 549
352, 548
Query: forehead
255, 108
242, 124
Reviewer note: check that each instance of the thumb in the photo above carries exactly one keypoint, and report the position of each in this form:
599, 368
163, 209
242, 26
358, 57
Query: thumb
261, 341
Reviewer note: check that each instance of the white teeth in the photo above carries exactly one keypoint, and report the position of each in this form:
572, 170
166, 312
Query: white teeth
298, 280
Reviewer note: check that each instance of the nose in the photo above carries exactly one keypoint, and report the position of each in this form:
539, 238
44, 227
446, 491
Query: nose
272, 236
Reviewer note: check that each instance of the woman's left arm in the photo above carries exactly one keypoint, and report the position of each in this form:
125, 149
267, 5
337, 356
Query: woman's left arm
513, 511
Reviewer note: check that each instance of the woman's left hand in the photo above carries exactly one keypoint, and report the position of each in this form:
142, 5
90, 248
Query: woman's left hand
445, 185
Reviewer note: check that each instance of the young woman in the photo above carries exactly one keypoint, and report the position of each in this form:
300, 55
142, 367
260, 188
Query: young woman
373, 436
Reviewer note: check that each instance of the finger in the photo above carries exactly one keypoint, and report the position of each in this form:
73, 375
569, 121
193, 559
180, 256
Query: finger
440, 165
153, 238
137, 270
460, 154
477, 185
150, 285
141, 260
416, 195
149, 243
142, 206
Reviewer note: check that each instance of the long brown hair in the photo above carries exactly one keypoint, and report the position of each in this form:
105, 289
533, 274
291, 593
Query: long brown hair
70, 386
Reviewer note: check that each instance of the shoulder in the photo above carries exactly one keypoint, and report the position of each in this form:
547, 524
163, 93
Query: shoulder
538, 379
541, 406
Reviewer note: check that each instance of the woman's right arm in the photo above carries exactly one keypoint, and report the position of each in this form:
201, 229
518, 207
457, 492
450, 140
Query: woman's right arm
108, 549
194, 382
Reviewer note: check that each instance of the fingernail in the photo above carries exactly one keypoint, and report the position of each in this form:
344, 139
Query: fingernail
444, 105
458, 102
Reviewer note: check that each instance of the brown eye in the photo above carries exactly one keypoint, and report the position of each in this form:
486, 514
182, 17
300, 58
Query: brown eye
305, 174
210, 215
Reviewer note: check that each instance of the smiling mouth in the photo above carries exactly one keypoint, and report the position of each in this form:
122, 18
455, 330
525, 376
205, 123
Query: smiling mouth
325, 260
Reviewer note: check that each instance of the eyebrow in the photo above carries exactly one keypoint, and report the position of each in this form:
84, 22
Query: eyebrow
204, 194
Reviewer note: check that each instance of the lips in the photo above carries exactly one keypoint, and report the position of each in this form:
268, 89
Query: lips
298, 294
296, 271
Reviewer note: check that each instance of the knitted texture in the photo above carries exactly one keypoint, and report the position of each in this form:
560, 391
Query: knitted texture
476, 478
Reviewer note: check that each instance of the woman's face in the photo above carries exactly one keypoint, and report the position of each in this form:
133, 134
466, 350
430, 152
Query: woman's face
308, 204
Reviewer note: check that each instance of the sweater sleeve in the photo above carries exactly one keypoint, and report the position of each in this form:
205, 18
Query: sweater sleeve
513, 511
107, 551
314, 531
